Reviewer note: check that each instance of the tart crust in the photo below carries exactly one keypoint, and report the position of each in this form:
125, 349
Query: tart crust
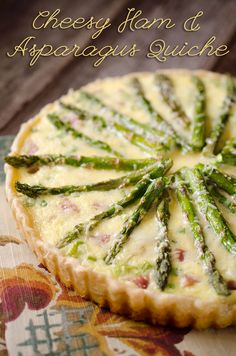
119, 296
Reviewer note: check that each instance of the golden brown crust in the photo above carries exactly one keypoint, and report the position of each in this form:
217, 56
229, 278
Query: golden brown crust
120, 296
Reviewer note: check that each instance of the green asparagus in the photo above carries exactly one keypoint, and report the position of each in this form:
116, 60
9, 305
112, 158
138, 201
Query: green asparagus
153, 192
35, 191
227, 159
163, 261
162, 130
228, 153
118, 117
140, 141
209, 209
116, 208
85, 115
225, 113
222, 199
224, 181
159, 120
153, 144
61, 125
165, 86
97, 162
136, 84
199, 118
205, 255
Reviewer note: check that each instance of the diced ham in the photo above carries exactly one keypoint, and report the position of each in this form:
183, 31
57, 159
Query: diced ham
105, 238
72, 119
141, 281
67, 205
231, 284
32, 147
188, 281
101, 238
180, 253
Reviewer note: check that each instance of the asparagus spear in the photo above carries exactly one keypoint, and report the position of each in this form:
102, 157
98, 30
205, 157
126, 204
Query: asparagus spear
164, 133
223, 180
205, 255
225, 112
124, 121
166, 88
163, 124
222, 199
199, 119
163, 263
227, 159
228, 153
84, 115
98, 162
116, 208
208, 208
140, 141
153, 192
35, 191
230, 147
136, 139
136, 84
59, 124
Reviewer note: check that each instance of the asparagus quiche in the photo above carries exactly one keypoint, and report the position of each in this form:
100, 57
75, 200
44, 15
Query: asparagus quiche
126, 191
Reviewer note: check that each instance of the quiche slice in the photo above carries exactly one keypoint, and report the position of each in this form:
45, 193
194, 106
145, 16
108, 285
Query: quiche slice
126, 191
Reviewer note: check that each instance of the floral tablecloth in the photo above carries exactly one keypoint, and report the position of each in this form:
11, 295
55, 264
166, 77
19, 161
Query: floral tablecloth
39, 316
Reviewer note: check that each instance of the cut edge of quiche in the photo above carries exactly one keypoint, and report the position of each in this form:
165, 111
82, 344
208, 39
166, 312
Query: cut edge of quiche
119, 295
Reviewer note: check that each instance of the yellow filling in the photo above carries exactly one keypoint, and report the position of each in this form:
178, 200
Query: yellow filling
54, 216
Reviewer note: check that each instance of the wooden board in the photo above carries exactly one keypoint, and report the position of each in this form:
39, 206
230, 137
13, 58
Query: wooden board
24, 89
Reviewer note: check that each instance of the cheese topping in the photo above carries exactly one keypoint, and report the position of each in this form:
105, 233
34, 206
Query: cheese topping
55, 216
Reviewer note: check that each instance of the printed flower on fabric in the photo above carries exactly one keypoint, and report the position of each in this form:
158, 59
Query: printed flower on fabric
24, 285
141, 337
110, 332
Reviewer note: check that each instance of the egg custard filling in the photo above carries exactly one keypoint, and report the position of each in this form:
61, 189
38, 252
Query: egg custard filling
126, 190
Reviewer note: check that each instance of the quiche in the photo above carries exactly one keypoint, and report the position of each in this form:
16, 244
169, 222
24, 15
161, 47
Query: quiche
126, 191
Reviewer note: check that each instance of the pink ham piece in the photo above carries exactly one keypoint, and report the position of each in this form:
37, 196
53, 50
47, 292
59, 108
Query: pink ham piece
141, 282
72, 119
180, 253
231, 284
105, 238
101, 239
188, 281
32, 147
67, 205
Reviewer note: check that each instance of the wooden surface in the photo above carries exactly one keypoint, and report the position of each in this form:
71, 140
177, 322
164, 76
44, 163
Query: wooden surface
24, 90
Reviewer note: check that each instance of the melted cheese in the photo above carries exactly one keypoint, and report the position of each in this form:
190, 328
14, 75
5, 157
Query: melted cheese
54, 216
